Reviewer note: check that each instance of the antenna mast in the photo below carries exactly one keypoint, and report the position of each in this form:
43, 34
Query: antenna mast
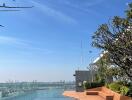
81, 53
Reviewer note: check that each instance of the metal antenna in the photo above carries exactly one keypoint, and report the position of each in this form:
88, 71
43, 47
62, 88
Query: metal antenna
82, 53
81, 56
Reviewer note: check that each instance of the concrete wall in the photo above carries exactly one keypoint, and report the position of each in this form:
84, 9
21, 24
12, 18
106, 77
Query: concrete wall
80, 77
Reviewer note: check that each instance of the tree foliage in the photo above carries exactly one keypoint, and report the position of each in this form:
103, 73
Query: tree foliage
106, 70
115, 37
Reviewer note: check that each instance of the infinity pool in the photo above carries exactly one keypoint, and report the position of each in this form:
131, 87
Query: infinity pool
49, 94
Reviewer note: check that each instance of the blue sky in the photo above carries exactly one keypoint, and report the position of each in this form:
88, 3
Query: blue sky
44, 43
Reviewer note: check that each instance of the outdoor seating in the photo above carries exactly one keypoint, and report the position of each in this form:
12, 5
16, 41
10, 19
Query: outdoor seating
101, 93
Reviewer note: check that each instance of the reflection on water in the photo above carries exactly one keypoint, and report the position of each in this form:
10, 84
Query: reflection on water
49, 94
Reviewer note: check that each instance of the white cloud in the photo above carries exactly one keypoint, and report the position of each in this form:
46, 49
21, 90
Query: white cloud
22, 44
87, 3
93, 3
84, 5
54, 13
12, 41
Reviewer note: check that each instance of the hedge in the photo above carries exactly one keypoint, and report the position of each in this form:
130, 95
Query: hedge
119, 88
88, 85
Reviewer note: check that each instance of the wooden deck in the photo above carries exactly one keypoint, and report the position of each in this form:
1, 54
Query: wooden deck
82, 96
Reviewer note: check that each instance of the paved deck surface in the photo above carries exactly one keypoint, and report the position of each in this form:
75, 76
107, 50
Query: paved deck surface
81, 96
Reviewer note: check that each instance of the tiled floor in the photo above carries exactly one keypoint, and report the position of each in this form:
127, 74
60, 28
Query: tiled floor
81, 95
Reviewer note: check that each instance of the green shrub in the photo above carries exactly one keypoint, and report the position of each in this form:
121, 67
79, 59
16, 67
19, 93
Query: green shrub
115, 87
88, 85
107, 85
119, 88
124, 90
124, 83
129, 93
102, 81
96, 84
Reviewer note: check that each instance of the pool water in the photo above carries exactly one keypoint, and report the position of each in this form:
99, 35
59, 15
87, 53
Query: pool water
49, 94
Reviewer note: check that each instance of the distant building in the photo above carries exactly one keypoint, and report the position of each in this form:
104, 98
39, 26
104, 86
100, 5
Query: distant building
82, 76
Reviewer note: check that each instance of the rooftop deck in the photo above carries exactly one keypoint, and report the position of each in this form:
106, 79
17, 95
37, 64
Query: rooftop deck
82, 95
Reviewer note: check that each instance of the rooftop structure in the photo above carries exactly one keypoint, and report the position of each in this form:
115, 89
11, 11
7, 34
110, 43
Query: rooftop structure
82, 76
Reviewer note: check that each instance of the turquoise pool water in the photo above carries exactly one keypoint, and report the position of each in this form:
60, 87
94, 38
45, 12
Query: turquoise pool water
49, 94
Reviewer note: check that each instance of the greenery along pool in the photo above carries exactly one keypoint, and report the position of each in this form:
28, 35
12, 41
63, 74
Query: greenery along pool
49, 94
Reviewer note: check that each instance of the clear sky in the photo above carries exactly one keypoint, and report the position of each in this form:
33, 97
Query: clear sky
44, 43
